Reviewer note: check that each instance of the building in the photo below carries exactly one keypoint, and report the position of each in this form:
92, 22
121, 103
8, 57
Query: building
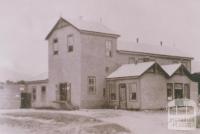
10, 96
84, 58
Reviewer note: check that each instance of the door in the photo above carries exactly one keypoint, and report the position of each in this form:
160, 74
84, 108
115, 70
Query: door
25, 100
122, 96
65, 92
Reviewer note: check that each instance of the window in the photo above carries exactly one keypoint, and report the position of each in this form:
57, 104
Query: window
169, 91
178, 90
43, 92
132, 91
55, 46
113, 94
146, 59
186, 91
34, 93
91, 84
131, 60
104, 92
70, 43
107, 69
108, 48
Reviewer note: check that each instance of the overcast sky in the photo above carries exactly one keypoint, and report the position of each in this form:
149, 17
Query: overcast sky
25, 23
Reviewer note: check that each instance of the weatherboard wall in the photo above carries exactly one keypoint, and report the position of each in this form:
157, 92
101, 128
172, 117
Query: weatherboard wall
66, 66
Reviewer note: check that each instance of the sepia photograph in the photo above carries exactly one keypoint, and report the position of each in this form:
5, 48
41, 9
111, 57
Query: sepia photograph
99, 67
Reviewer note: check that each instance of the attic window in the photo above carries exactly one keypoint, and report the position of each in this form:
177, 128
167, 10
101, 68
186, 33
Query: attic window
55, 40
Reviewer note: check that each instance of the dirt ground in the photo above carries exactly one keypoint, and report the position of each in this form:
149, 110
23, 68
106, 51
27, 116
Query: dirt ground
96, 121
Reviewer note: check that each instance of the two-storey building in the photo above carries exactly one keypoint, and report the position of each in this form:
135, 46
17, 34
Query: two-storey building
90, 68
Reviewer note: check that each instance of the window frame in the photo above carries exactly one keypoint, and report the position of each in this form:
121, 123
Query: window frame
70, 46
43, 92
112, 91
55, 46
184, 94
172, 91
34, 93
130, 90
93, 85
108, 48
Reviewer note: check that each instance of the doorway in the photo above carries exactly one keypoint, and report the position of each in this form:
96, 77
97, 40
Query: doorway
25, 100
65, 92
122, 96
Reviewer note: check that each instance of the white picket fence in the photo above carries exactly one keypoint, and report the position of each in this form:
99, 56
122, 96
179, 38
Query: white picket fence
182, 117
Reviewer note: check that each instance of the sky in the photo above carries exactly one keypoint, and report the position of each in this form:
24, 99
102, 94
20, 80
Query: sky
25, 23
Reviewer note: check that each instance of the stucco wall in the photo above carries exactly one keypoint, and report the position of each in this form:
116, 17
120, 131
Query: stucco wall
94, 62
66, 66
10, 96
153, 91
41, 101
131, 104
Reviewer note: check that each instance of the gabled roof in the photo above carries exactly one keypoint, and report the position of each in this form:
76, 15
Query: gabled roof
150, 49
83, 25
131, 70
171, 69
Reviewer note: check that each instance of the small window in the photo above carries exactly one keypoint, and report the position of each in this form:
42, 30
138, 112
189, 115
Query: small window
169, 91
55, 40
43, 92
146, 59
107, 69
131, 60
55, 46
104, 92
132, 91
91, 84
34, 93
70, 43
108, 48
186, 91
113, 94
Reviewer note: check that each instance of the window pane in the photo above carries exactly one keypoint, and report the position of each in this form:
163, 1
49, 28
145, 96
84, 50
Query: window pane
186, 91
113, 94
178, 86
108, 48
132, 91
91, 84
169, 91
178, 91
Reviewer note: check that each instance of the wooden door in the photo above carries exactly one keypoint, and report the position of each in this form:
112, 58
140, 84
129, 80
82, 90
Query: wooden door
122, 96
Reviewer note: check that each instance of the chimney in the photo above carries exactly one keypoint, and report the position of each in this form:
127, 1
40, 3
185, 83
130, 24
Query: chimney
137, 40
161, 43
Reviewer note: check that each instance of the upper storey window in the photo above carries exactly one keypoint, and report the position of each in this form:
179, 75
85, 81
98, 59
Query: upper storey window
108, 48
55, 46
70, 43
